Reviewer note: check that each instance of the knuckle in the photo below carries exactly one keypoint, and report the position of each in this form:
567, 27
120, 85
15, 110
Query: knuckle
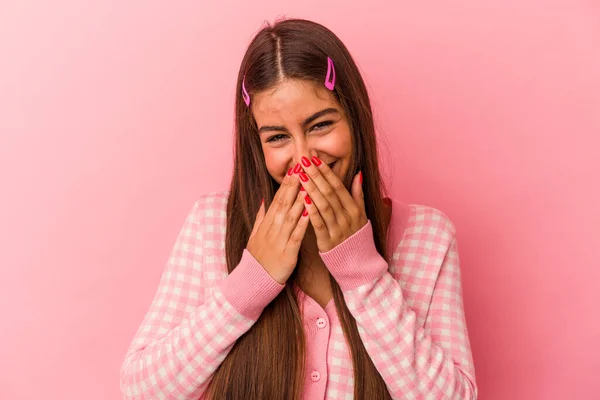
313, 173
295, 238
289, 180
319, 225
337, 186
287, 203
278, 202
328, 191
289, 219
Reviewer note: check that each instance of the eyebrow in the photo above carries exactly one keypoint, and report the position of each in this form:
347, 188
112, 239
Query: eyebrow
307, 121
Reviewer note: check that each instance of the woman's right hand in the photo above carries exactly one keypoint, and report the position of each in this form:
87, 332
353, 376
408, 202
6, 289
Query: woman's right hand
276, 237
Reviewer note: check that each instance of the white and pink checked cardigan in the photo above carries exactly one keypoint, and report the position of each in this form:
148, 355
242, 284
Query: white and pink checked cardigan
409, 313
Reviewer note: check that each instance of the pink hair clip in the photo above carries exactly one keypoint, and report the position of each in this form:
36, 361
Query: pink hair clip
330, 69
245, 94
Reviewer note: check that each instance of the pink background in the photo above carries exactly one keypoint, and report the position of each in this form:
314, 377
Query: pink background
115, 117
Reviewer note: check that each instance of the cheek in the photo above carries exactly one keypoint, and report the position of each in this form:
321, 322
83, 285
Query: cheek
342, 143
276, 164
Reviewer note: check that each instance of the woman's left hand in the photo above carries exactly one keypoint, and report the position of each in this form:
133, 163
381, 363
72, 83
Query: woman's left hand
334, 213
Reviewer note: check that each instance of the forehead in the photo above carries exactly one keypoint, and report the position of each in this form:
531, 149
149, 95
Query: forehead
291, 100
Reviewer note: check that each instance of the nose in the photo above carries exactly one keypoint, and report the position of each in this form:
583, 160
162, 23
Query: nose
304, 146
308, 155
302, 149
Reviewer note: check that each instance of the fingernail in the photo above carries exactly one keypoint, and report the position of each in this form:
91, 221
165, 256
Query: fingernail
316, 160
302, 188
297, 168
303, 177
307, 199
305, 161
360, 177
262, 201
305, 212
290, 171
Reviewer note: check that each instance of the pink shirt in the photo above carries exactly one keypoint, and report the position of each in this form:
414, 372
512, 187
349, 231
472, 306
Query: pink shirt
409, 313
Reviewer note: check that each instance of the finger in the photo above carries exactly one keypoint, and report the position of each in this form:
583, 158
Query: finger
293, 215
297, 236
278, 198
260, 216
322, 194
286, 200
343, 196
358, 197
319, 225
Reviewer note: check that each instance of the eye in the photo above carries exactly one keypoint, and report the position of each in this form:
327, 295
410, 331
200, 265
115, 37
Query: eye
274, 138
280, 137
323, 124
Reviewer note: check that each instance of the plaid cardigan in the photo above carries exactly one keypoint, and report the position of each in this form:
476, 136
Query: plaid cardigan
409, 312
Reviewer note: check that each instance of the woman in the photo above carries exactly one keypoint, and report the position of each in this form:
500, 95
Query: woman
302, 280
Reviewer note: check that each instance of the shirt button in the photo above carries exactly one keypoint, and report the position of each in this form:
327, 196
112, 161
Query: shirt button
315, 376
321, 323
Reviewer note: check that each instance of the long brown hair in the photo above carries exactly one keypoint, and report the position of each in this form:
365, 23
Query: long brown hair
267, 362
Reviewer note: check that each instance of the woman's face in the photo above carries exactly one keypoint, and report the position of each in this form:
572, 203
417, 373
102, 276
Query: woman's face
299, 118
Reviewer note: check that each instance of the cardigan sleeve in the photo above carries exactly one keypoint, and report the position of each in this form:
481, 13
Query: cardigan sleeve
187, 333
433, 361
